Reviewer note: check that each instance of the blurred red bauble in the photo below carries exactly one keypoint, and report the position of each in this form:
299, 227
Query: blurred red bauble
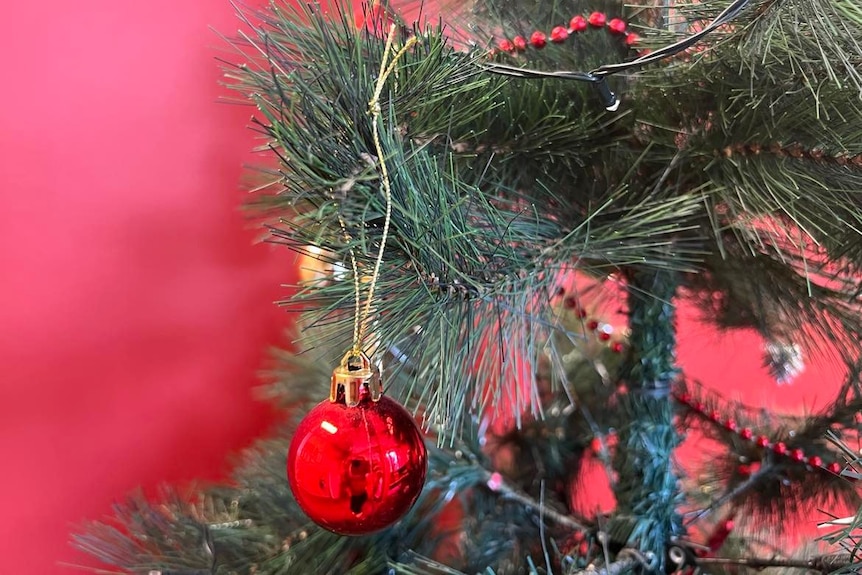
356, 470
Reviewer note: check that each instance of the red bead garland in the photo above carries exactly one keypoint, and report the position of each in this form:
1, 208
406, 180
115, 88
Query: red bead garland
603, 331
779, 448
560, 34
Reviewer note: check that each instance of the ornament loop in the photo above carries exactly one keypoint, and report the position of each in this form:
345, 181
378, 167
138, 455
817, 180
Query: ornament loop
355, 372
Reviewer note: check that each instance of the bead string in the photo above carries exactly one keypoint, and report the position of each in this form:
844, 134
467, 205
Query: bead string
603, 330
598, 76
795, 455
560, 34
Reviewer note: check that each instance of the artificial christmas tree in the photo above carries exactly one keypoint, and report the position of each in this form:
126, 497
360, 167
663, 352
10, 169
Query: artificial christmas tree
475, 204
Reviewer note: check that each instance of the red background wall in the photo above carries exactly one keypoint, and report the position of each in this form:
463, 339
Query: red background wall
135, 307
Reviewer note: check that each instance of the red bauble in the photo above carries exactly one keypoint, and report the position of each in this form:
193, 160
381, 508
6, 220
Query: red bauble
355, 470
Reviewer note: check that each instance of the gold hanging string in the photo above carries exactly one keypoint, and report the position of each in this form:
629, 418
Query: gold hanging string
356, 292
360, 324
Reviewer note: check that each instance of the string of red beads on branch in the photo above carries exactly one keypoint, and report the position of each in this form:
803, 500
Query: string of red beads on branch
560, 34
779, 448
603, 331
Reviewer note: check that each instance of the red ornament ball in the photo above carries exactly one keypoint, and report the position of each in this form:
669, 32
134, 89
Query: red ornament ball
520, 43
834, 467
506, 46
356, 470
746, 433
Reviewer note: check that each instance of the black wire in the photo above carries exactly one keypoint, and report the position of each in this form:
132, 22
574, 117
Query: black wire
598, 75
726, 16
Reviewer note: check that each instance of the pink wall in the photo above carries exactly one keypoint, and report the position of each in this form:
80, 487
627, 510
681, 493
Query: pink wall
134, 307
